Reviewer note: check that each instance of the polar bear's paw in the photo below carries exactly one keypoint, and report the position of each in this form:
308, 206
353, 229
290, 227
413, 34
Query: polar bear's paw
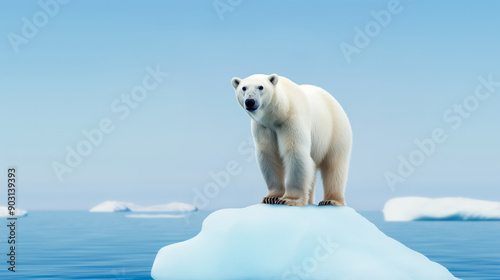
270, 200
331, 202
292, 201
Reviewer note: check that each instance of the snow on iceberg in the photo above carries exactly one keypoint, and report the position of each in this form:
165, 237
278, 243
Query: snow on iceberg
283, 242
4, 212
117, 206
446, 209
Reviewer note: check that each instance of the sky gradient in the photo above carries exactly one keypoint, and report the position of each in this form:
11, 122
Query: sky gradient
417, 70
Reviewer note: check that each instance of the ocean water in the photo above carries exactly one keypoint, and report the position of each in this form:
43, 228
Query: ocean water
83, 245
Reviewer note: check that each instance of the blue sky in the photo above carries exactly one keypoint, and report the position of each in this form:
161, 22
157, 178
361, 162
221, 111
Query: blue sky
395, 89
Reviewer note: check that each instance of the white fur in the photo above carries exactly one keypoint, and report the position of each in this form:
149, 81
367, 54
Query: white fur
298, 130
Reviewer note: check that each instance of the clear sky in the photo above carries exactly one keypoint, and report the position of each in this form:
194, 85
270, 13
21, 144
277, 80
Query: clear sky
401, 70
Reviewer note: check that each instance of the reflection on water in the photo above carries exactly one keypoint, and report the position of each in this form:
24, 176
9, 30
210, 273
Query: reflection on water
82, 245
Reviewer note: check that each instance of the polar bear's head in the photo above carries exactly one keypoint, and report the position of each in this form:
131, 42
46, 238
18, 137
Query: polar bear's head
255, 92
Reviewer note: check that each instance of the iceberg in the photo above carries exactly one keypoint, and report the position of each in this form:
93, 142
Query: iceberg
443, 209
170, 207
4, 212
117, 206
155, 216
113, 206
283, 242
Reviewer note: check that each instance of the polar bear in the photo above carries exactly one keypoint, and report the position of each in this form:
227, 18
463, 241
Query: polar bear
297, 129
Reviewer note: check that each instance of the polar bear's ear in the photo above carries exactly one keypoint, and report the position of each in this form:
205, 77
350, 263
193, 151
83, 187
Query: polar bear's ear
273, 78
235, 82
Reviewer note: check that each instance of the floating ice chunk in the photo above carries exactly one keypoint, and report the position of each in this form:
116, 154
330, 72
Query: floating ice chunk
150, 216
4, 212
447, 208
170, 207
117, 206
113, 206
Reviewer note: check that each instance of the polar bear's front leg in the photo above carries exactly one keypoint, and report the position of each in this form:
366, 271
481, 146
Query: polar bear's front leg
299, 169
270, 162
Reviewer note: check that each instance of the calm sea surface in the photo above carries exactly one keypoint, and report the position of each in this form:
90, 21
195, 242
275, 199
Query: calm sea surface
82, 245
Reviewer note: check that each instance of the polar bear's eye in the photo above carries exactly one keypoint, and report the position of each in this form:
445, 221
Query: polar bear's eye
244, 88
261, 87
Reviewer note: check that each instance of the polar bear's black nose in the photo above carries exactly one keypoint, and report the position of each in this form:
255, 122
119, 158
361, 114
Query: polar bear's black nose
250, 104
